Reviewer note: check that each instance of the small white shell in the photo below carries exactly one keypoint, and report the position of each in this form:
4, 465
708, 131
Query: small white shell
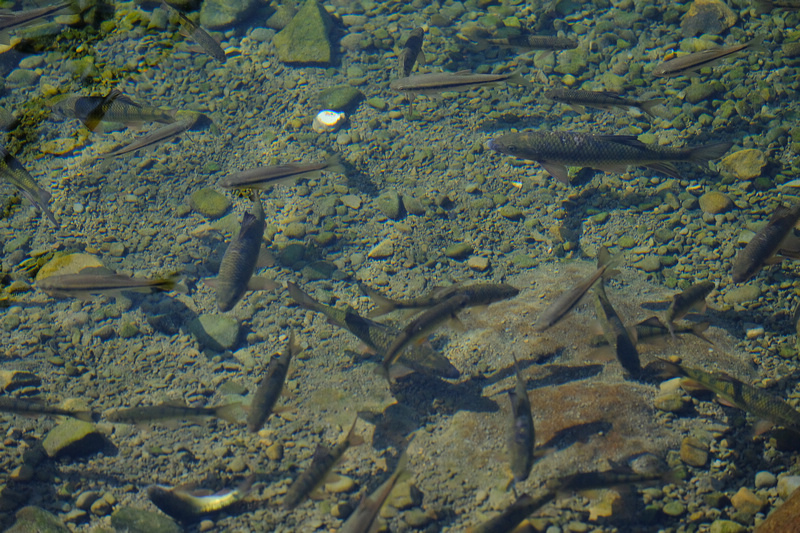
328, 121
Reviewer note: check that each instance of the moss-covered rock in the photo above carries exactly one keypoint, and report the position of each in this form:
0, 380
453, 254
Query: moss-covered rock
36, 519
305, 39
73, 437
140, 521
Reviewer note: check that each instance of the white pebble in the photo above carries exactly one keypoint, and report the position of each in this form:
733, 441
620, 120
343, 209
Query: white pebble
77, 207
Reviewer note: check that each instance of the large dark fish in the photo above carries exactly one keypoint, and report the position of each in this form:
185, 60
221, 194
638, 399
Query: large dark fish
14, 173
688, 300
100, 280
463, 80
765, 244
577, 99
567, 300
555, 150
265, 177
740, 395
695, 61
420, 358
470, 296
31, 408
240, 260
411, 51
583, 481
270, 387
508, 520
114, 107
199, 35
322, 463
522, 436
615, 332
185, 506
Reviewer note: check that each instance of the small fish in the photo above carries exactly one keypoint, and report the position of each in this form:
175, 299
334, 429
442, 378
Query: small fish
508, 520
186, 506
7, 120
14, 173
113, 107
31, 408
692, 298
100, 280
240, 261
583, 481
653, 327
173, 411
412, 50
363, 518
322, 463
265, 177
385, 305
193, 122
695, 61
420, 358
270, 387
740, 395
555, 150
567, 301
198, 34
765, 6
483, 40
463, 80
577, 99
14, 19
765, 243
470, 296
522, 437
615, 332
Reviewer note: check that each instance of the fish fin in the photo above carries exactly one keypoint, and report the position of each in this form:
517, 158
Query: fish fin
334, 164
352, 437
653, 321
578, 108
97, 271
301, 298
5, 38
708, 152
762, 426
648, 105
668, 169
421, 60
395, 372
774, 260
756, 44
383, 304
230, 412
211, 282
518, 79
557, 170
453, 322
259, 283
135, 125
700, 328
265, 259
171, 283
86, 416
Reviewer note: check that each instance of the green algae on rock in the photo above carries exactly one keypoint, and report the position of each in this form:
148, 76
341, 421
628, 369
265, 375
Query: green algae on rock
216, 332
141, 521
209, 202
305, 39
34, 518
73, 437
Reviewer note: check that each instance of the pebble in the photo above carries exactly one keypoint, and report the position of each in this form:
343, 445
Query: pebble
672, 402
674, 509
478, 264
739, 295
351, 200
342, 484
390, 205
274, 452
217, 332
458, 250
382, 250
295, 230
694, 452
714, 202
765, 480
209, 202
305, 39
726, 526
73, 437
787, 485
747, 502
745, 164
140, 521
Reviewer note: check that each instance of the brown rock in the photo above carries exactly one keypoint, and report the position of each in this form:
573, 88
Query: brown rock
784, 519
745, 164
747, 502
714, 202
707, 16
694, 452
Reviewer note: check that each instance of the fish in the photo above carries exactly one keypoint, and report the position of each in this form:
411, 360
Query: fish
385, 305
567, 300
113, 107
193, 122
682, 303
483, 39
765, 6
654, 327
240, 261
265, 177
324, 460
690, 63
33, 408
508, 520
555, 150
583, 481
615, 332
14, 19
463, 80
522, 437
577, 99
765, 243
198, 34
100, 280
7, 120
363, 518
378, 337
469, 296
187, 506
14, 173
412, 50
271, 385
734, 393
173, 411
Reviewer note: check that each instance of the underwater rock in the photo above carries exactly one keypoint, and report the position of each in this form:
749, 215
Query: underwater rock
68, 264
21, 78
747, 502
694, 452
305, 39
745, 164
389, 204
707, 16
7, 119
739, 295
726, 526
339, 98
458, 251
383, 249
787, 485
714, 202
221, 13
217, 332
15, 379
73, 437
33, 518
209, 202
140, 521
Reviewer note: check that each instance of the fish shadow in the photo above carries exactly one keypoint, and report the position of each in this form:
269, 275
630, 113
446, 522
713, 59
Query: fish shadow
428, 395
566, 437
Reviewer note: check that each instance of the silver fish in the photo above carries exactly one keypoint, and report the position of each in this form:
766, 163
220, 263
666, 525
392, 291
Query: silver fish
265, 177
692, 62
463, 80
14, 173
577, 99
99, 280
200, 36
192, 123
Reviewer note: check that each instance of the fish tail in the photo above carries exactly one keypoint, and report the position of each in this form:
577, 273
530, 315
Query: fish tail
383, 304
229, 413
517, 79
757, 44
708, 152
669, 368
170, 283
604, 259
244, 488
302, 299
352, 437
86, 416
334, 164
700, 328
648, 105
